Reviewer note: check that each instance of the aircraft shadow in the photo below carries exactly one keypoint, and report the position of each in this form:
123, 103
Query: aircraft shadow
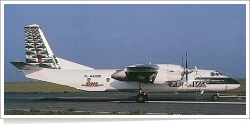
57, 99
120, 100
125, 98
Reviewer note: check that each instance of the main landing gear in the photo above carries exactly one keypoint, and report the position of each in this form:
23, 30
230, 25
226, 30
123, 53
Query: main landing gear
142, 97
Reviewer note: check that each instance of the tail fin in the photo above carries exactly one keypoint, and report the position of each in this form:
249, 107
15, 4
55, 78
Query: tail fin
39, 53
37, 49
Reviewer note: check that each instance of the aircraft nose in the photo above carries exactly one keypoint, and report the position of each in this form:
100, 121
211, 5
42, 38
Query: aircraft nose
233, 83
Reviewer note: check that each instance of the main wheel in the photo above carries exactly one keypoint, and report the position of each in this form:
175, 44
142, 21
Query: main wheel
215, 97
140, 98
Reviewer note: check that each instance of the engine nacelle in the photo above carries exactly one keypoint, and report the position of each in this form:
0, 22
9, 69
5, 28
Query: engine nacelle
169, 72
156, 74
119, 75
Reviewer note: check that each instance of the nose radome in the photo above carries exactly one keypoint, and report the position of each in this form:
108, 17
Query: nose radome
233, 81
234, 84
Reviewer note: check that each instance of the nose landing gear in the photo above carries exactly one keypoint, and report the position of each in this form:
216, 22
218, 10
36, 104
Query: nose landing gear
215, 97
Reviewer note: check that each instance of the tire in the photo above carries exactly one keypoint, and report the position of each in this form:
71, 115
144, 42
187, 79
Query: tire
239, 98
215, 97
146, 97
140, 98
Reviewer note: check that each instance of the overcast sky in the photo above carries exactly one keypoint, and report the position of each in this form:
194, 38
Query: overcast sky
116, 36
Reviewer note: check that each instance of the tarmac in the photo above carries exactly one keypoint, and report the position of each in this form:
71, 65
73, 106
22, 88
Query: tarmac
157, 104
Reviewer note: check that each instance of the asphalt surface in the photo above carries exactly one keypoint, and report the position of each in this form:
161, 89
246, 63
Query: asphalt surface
158, 103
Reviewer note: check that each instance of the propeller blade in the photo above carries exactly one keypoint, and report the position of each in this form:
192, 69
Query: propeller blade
186, 61
186, 68
182, 62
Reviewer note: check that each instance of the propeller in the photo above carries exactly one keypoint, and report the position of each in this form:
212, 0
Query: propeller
186, 70
182, 62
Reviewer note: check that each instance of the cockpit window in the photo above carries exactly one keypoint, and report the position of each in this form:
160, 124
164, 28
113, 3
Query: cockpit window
215, 73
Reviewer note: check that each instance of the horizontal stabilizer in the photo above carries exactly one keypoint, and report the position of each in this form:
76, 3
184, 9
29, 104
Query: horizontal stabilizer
25, 66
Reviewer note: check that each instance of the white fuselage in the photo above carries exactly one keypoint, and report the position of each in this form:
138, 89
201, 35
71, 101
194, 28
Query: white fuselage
100, 80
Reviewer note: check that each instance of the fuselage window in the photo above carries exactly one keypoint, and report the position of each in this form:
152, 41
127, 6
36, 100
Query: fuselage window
89, 79
108, 79
212, 73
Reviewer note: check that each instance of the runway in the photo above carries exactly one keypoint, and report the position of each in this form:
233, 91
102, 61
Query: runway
158, 103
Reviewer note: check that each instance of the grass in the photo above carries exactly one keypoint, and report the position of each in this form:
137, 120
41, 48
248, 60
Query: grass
37, 87
74, 112
68, 112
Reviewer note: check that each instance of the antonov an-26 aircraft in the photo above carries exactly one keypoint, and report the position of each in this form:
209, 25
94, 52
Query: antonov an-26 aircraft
42, 64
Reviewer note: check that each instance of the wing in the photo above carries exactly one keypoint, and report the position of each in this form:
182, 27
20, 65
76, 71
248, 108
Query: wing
142, 73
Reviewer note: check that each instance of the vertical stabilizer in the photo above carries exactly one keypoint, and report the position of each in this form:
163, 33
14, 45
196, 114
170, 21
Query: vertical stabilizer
37, 49
39, 53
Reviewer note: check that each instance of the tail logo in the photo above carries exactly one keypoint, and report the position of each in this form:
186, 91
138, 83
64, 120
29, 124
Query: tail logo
37, 49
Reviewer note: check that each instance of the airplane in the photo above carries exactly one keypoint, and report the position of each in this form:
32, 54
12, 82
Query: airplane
42, 64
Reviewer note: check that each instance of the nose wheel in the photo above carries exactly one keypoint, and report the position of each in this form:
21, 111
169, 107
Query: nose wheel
142, 97
215, 97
